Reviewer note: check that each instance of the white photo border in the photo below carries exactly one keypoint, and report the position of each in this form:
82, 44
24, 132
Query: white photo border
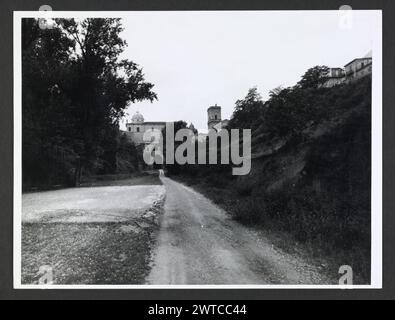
376, 160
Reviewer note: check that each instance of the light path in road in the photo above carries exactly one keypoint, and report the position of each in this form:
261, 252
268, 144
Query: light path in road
84, 205
200, 244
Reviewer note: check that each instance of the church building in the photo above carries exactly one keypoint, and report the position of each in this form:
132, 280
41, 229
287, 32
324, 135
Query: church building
136, 128
214, 119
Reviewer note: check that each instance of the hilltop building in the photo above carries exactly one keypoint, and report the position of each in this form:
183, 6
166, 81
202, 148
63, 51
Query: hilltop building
354, 70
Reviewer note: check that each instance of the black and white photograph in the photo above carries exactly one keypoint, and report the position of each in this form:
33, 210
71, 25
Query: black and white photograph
197, 149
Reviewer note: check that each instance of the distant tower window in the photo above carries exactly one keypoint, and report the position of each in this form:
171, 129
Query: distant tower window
138, 129
216, 117
130, 129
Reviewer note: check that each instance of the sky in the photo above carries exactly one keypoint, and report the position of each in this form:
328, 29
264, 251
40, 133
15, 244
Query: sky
198, 59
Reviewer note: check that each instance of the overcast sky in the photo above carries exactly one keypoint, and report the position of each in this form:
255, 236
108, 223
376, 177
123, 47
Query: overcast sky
198, 59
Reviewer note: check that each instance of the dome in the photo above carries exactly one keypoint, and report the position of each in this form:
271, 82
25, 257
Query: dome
137, 118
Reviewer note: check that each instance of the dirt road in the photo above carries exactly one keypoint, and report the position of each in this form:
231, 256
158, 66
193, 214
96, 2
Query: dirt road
200, 244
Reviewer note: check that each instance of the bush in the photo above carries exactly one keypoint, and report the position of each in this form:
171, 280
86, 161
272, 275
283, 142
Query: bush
249, 210
244, 187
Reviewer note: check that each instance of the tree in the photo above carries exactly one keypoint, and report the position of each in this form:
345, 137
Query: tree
288, 110
46, 123
284, 112
175, 168
275, 92
314, 77
248, 111
106, 85
75, 90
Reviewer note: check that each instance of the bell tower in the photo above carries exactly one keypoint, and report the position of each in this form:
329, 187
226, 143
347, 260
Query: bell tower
214, 116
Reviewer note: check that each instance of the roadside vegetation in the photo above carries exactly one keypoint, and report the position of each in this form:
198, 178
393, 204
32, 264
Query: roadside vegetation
75, 90
311, 170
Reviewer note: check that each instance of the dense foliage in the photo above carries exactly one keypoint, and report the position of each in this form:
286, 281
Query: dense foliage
75, 90
313, 179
